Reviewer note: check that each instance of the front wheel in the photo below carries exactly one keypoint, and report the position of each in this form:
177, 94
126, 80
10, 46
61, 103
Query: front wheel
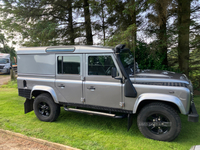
159, 121
45, 109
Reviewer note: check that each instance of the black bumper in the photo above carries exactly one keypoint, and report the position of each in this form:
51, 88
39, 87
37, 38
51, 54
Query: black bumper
24, 93
193, 115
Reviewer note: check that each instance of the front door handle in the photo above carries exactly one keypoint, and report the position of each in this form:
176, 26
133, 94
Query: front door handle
61, 86
92, 88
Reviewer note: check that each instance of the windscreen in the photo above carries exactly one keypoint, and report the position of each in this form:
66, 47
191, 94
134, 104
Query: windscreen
4, 61
127, 60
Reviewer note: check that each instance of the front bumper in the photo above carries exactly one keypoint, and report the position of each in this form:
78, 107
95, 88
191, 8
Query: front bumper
193, 115
4, 71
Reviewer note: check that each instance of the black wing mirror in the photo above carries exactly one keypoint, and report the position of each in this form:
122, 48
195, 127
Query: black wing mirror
113, 72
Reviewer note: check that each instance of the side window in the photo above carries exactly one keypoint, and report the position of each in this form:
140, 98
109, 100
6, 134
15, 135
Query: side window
100, 65
68, 64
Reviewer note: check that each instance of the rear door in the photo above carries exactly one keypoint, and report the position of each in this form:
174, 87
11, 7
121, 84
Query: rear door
69, 77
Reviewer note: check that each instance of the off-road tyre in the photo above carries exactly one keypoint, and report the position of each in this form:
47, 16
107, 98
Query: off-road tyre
160, 114
45, 109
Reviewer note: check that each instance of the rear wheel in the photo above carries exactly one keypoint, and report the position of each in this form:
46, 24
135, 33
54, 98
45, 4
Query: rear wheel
45, 109
159, 121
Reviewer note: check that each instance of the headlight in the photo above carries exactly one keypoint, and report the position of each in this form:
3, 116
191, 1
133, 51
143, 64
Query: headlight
183, 77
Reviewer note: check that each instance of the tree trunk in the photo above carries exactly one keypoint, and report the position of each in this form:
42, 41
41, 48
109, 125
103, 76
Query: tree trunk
134, 22
162, 34
88, 28
103, 22
71, 28
183, 35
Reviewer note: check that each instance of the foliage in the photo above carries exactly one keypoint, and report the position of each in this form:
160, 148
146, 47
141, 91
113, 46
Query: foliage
46, 22
42, 33
195, 68
146, 57
10, 50
39, 23
88, 131
123, 37
6, 48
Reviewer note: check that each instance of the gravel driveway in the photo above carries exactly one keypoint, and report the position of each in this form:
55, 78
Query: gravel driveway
4, 79
8, 142
15, 141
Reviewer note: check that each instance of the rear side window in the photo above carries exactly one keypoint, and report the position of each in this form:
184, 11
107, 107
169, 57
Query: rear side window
68, 65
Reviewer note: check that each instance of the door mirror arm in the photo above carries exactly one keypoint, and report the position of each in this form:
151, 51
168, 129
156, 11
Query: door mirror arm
114, 74
118, 78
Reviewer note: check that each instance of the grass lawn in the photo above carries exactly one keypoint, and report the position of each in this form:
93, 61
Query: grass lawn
86, 131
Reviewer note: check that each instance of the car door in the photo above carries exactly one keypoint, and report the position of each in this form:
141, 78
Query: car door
99, 86
69, 82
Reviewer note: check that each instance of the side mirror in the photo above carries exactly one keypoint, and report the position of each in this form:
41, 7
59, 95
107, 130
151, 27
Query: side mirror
113, 72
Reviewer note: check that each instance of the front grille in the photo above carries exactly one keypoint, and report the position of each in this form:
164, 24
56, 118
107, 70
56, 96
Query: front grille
1, 67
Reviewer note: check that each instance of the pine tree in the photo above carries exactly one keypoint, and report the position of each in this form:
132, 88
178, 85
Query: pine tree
158, 24
183, 35
42, 22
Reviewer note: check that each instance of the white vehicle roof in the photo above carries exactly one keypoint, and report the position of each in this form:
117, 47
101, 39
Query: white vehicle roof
64, 49
4, 55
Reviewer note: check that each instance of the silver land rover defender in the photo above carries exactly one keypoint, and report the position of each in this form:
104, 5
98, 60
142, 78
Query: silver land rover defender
104, 81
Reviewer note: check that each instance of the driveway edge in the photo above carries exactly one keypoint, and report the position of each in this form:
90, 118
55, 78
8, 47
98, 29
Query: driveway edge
39, 141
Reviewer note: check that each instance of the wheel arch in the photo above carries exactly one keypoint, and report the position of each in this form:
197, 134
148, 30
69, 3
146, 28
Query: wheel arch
38, 89
170, 100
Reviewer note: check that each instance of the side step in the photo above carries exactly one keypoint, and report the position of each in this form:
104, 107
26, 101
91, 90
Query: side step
93, 112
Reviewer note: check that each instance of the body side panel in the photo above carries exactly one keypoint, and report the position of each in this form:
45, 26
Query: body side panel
177, 95
38, 83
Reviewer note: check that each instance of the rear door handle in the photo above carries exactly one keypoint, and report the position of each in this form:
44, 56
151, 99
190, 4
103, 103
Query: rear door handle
61, 86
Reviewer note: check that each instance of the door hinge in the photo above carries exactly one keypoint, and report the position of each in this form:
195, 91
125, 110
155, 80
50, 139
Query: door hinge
121, 104
82, 100
83, 78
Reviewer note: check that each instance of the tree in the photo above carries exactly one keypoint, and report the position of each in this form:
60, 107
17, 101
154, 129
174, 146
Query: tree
125, 37
123, 14
158, 18
40, 20
2, 40
99, 11
183, 35
88, 28
6, 48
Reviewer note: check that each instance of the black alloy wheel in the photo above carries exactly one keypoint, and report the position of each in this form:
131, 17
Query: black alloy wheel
159, 121
158, 124
45, 108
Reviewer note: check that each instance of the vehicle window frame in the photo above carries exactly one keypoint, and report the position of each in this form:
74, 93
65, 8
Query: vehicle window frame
69, 55
106, 76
